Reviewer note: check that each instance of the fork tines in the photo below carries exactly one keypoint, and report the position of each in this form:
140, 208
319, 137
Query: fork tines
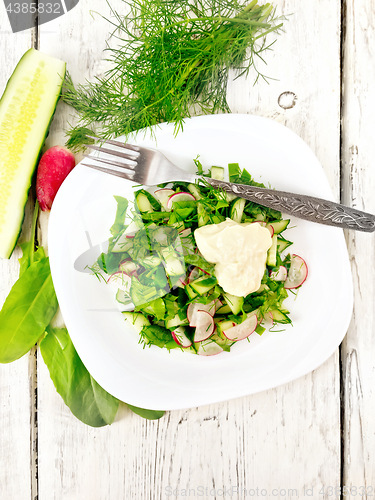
113, 152
123, 175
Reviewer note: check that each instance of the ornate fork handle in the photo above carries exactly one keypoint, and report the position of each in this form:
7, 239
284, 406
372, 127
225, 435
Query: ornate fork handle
303, 206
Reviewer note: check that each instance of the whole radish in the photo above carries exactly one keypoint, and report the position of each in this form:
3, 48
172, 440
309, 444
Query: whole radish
54, 166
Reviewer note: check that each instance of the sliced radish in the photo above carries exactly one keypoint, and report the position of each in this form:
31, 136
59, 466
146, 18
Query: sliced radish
128, 266
209, 348
163, 195
121, 280
183, 196
184, 233
180, 283
196, 273
194, 308
243, 330
268, 318
218, 304
270, 229
297, 273
205, 326
180, 337
279, 275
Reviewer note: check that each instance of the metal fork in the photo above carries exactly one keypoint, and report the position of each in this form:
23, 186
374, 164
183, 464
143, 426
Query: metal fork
149, 167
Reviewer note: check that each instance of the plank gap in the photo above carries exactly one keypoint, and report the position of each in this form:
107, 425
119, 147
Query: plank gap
342, 198
33, 359
33, 375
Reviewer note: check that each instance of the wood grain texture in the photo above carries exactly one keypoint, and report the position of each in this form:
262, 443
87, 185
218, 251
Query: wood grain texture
286, 438
17, 380
358, 152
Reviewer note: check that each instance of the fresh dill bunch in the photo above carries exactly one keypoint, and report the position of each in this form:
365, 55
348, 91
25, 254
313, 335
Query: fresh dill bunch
170, 60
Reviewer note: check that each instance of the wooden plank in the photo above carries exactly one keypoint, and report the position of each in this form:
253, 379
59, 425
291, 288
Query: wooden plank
286, 438
358, 150
18, 379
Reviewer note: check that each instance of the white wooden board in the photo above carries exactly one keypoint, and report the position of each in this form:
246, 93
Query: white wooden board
358, 153
17, 380
286, 438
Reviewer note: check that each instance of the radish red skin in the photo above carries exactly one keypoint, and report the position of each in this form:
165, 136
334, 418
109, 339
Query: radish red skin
54, 166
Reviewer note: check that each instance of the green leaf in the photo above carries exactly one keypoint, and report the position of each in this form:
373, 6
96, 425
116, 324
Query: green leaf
87, 400
122, 206
234, 172
156, 335
155, 308
29, 255
25, 260
28, 309
149, 414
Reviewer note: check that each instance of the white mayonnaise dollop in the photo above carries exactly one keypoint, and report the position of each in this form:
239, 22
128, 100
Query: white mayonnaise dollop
239, 252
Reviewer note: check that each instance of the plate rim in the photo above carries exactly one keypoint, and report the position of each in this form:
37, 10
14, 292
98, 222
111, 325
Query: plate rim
344, 319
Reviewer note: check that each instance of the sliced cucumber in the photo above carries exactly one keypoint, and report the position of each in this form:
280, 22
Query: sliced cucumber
174, 264
143, 202
136, 319
235, 303
224, 325
224, 343
280, 317
151, 261
236, 210
217, 173
261, 217
179, 225
175, 321
26, 110
195, 191
203, 285
122, 297
203, 217
280, 225
229, 197
190, 292
283, 244
224, 309
271, 255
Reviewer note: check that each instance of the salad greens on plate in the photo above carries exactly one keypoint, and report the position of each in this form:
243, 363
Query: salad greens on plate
168, 291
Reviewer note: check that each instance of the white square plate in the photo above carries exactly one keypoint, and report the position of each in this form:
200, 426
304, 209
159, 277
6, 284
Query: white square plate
154, 378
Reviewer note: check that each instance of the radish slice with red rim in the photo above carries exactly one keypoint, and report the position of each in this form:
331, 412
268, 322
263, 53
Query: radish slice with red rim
268, 318
183, 196
194, 308
297, 273
163, 195
243, 330
205, 326
279, 275
180, 337
128, 266
195, 273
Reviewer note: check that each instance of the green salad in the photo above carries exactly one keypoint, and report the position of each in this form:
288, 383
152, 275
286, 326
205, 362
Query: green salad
171, 293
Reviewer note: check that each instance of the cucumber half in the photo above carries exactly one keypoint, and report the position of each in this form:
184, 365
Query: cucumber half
26, 110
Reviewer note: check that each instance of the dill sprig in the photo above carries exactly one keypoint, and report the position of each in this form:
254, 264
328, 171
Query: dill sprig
170, 60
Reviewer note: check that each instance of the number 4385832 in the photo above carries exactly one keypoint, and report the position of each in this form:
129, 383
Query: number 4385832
33, 8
